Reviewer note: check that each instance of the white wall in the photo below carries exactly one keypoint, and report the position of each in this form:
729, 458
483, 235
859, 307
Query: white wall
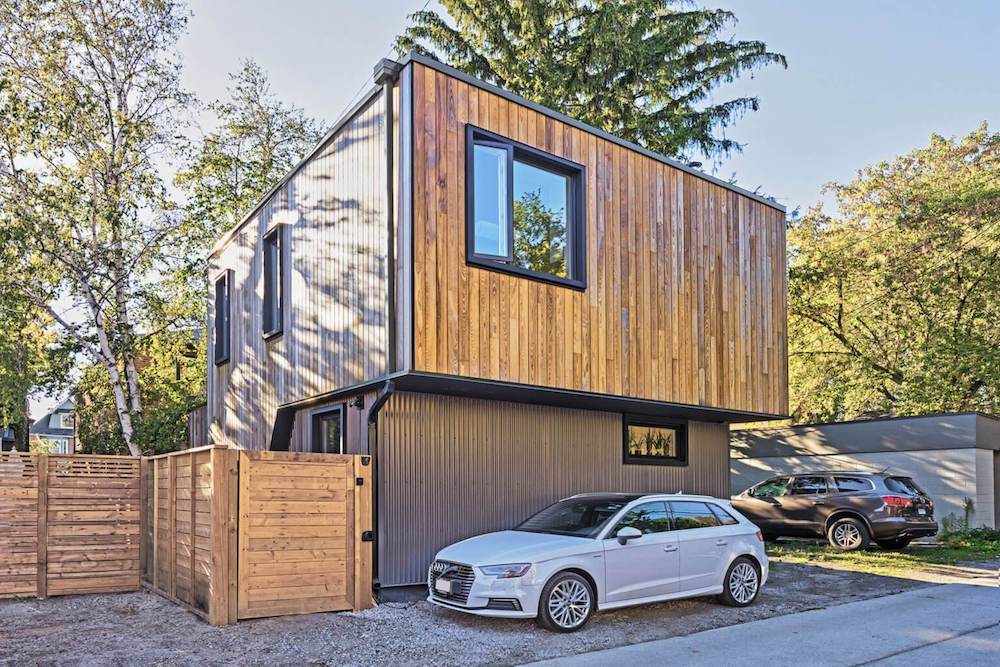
948, 475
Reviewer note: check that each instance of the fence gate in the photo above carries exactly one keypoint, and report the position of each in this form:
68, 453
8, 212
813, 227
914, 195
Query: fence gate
299, 547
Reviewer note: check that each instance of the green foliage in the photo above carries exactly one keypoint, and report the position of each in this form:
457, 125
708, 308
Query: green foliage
892, 302
539, 236
642, 70
933, 559
172, 382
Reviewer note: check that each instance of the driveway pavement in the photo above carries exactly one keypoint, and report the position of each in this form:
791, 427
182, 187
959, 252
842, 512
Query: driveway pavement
949, 624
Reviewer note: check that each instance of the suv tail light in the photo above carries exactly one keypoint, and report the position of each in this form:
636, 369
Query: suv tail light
897, 500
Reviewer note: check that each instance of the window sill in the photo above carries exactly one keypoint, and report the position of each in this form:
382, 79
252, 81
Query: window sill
222, 362
677, 463
271, 335
500, 267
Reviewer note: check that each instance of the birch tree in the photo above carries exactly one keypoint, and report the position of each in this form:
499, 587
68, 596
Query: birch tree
89, 97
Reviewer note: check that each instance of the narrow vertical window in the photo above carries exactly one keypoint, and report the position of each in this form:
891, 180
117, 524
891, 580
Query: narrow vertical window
328, 431
274, 297
222, 317
492, 201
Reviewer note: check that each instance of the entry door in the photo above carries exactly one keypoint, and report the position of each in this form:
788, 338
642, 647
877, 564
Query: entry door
646, 566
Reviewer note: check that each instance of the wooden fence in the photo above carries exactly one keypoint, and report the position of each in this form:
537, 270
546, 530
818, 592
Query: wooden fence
235, 534
68, 524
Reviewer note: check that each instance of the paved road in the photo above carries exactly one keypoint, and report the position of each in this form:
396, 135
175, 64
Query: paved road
955, 624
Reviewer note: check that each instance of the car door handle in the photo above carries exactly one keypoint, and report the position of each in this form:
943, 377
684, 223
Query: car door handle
670, 547
819, 502
721, 543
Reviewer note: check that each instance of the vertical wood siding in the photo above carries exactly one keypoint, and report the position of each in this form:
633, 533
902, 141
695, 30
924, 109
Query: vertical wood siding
335, 324
451, 467
686, 294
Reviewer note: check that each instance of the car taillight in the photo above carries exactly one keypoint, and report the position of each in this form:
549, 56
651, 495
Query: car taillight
760, 536
897, 500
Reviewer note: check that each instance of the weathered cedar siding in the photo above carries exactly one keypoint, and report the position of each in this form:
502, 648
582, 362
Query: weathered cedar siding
335, 320
685, 298
450, 468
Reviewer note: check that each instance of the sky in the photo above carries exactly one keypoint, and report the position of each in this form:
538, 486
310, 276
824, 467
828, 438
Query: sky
866, 80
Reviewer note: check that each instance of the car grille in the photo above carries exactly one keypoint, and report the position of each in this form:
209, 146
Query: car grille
455, 572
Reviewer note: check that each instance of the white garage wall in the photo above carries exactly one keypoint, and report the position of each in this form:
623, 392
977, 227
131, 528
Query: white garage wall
948, 475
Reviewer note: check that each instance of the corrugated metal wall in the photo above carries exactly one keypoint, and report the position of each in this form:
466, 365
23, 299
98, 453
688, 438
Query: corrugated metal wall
452, 467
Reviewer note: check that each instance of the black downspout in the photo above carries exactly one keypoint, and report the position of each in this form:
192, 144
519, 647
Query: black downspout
380, 401
385, 74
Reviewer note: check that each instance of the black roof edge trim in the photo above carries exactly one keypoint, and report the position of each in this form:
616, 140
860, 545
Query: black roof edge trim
415, 57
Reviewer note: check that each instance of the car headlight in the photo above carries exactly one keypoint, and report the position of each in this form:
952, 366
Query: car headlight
508, 571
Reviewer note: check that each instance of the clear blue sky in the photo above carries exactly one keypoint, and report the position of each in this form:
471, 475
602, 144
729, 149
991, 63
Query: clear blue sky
866, 79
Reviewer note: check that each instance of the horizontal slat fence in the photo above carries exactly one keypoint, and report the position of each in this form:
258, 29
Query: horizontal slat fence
68, 524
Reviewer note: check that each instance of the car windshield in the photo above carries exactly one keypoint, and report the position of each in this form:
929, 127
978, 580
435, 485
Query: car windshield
580, 517
903, 485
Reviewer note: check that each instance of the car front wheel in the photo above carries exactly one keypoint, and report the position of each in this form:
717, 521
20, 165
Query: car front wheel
566, 604
742, 583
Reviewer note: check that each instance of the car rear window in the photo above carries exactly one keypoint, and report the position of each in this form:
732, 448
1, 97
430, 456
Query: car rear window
808, 486
689, 514
902, 485
724, 517
849, 484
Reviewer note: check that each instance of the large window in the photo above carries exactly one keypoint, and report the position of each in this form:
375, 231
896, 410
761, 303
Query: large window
274, 294
524, 210
222, 317
651, 441
328, 431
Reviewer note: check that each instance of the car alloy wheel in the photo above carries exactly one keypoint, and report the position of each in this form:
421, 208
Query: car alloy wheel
848, 534
743, 582
569, 603
566, 603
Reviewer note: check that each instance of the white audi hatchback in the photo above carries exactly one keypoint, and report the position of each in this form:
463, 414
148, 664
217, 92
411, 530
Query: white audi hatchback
601, 551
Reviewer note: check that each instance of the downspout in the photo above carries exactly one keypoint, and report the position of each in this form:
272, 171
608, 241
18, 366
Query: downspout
385, 74
380, 401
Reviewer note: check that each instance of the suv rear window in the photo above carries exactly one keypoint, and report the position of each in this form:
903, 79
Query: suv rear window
902, 485
849, 484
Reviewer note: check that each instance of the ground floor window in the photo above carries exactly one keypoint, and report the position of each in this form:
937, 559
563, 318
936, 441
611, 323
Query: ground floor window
654, 442
328, 431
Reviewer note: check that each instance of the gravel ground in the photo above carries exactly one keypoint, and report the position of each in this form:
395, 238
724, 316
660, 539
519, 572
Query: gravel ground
143, 628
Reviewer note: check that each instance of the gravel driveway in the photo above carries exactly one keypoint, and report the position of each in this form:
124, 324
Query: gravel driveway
142, 628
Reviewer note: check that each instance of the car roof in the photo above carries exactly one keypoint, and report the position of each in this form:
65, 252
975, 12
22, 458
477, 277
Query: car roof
867, 473
629, 497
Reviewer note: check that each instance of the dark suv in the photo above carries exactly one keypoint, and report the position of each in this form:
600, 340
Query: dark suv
848, 508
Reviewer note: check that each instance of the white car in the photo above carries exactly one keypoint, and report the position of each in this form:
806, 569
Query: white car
603, 551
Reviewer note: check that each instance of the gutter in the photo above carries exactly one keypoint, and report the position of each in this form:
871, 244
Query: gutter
380, 401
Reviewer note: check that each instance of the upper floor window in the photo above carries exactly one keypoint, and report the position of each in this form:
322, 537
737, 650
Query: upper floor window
222, 316
525, 210
653, 442
274, 294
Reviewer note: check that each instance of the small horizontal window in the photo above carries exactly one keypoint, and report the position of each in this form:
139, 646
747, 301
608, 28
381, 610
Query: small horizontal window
525, 210
653, 442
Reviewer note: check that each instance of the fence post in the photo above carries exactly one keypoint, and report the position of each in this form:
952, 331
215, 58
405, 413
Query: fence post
362, 523
155, 546
42, 561
143, 519
232, 531
218, 605
172, 517
191, 536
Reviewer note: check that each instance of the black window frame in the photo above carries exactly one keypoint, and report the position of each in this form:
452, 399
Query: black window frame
576, 203
316, 418
273, 315
681, 458
223, 324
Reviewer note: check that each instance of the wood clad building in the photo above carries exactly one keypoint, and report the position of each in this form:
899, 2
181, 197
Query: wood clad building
500, 304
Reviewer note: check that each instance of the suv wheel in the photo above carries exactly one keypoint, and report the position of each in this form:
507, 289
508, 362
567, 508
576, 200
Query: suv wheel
742, 583
898, 543
848, 534
566, 604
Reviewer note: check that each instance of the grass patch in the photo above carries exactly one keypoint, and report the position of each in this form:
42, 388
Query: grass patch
875, 560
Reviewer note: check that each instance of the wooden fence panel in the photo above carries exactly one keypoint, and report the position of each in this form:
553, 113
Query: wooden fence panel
18, 525
298, 534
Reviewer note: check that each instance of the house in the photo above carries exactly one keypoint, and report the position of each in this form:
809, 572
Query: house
951, 456
57, 427
501, 305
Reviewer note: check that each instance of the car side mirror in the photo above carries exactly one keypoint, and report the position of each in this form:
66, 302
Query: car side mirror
628, 533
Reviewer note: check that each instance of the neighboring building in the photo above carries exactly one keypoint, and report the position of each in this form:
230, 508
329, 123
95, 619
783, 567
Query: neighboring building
951, 456
7, 439
58, 426
503, 305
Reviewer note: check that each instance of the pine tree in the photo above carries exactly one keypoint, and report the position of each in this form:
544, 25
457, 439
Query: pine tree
643, 70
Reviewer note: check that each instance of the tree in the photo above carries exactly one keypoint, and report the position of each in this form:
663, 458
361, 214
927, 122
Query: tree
88, 93
226, 172
893, 302
30, 360
643, 70
539, 235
